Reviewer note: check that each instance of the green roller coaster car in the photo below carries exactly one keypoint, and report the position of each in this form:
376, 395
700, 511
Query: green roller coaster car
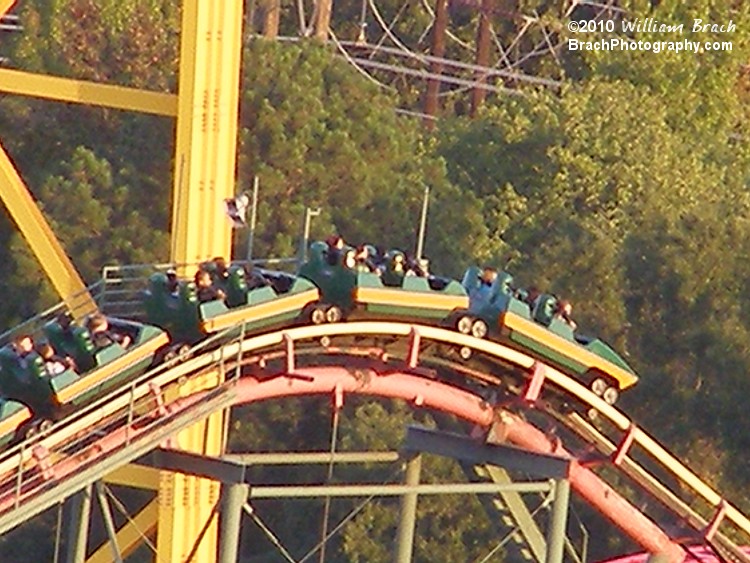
348, 291
540, 333
98, 371
14, 417
278, 298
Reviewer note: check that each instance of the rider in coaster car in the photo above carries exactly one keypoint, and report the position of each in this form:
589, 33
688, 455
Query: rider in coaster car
395, 268
173, 284
53, 364
22, 347
486, 278
102, 336
364, 259
335, 246
564, 311
205, 288
350, 259
413, 267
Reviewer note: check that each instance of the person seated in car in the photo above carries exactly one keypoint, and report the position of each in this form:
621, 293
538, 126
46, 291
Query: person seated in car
205, 288
335, 245
563, 311
413, 267
253, 278
221, 272
532, 295
364, 260
486, 278
53, 364
22, 347
173, 284
102, 336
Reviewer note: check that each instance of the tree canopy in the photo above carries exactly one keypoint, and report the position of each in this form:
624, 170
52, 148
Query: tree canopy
624, 190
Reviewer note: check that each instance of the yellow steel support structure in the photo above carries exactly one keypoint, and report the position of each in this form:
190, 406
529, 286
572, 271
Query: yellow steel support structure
205, 160
130, 535
208, 101
85, 92
205, 163
188, 506
39, 235
5, 5
136, 476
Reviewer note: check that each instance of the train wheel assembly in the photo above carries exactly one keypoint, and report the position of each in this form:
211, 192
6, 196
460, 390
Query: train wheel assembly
317, 315
610, 395
464, 324
479, 328
464, 352
333, 314
599, 386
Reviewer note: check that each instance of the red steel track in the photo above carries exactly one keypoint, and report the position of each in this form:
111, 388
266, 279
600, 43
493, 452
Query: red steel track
374, 377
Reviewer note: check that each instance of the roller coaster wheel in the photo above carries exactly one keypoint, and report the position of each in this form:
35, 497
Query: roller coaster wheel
610, 395
333, 314
317, 316
464, 324
325, 341
464, 352
592, 414
479, 328
599, 386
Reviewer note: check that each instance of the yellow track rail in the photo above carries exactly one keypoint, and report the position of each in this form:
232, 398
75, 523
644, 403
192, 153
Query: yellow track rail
569, 386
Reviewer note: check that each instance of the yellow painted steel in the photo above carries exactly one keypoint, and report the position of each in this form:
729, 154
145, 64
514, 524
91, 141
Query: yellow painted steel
205, 163
188, 505
130, 535
206, 146
260, 311
6, 5
136, 476
39, 235
84, 92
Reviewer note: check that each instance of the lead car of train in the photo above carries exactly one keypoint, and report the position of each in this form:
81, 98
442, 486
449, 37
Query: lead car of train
329, 287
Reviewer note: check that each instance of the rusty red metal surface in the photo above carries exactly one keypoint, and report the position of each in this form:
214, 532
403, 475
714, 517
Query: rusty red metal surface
433, 394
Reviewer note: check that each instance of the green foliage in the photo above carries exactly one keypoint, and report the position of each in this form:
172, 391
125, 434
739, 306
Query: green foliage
318, 135
625, 190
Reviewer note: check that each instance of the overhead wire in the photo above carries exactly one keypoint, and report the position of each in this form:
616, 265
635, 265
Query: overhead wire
448, 32
391, 35
353, 62
247, 507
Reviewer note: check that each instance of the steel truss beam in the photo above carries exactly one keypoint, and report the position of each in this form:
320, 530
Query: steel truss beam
448, 444
91, 473
86, 92
37, 232
209, 467
130, 535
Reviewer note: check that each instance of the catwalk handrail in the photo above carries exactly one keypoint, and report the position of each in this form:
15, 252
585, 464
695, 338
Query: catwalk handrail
565, 383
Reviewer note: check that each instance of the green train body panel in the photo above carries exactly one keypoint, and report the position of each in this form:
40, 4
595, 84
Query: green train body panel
500, 298
336, 283
30, 384
189, 321
344, 286
253, 312
12, 415
8, 408
539, 350
175, 313
410, 284
138, 357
